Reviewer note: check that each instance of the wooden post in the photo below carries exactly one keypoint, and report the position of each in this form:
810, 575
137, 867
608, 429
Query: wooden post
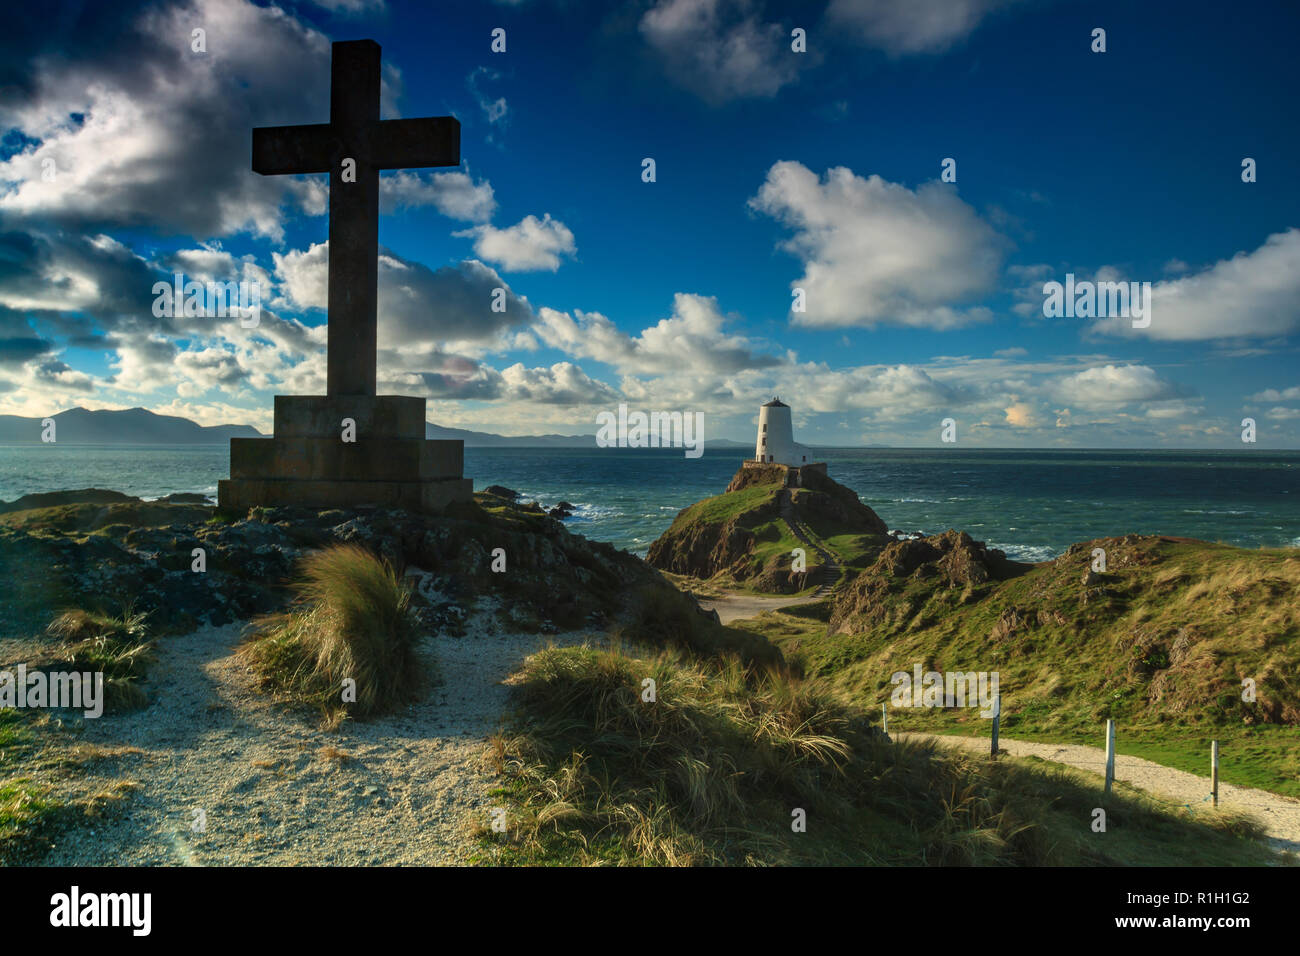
1214, 770
884, 719
997, 718
1110, 754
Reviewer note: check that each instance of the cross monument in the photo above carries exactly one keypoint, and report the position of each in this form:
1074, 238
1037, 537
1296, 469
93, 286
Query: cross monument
350, 446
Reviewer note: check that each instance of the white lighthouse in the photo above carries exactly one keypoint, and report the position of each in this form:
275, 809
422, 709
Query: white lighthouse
775, 443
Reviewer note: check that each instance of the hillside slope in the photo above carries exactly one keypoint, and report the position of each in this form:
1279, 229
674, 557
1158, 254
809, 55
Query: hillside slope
1180, 641
740, 536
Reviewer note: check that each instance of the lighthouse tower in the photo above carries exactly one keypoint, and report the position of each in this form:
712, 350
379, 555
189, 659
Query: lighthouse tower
775, 443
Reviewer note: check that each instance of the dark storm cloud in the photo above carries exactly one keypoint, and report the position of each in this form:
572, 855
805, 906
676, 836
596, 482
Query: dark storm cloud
19, 350
164, 137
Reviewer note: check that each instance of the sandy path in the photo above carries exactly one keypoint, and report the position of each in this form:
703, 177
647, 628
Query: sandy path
735, 606
1279, 815
273, 786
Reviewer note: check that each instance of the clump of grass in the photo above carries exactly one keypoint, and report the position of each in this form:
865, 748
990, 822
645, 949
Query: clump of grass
27, 811
661, 616
119, 646
354, 622
716, 768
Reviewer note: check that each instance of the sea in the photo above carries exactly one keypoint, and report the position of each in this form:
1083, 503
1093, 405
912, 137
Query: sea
1032, 504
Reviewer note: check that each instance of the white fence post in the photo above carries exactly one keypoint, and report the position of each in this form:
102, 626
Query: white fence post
1214, 770
1110, 754
997, 719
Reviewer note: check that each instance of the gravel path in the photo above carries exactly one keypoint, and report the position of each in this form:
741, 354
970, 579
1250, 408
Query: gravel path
403, 789
737, 606
1279, 815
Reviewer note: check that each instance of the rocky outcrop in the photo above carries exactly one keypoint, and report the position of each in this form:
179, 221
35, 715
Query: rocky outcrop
720, 535
50, 499
949, 560
702, 549
186, 565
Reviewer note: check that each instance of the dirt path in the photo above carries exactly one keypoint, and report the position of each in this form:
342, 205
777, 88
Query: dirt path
736, 606
404, 789
1279, 815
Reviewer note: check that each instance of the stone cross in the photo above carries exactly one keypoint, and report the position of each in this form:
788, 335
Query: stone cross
353, 147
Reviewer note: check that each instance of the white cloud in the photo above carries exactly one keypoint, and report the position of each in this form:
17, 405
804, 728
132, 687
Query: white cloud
911, 26
1110, 386
691, 343
1291, 394
562, 384
530, 245
417, 305
720, 49
877, 252
1021, 415
1253, 294
495, 110
454, 194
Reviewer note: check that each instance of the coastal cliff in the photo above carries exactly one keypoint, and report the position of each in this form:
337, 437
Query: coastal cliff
747, 534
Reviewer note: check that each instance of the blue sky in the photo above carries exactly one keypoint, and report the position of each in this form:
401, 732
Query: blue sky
774, 170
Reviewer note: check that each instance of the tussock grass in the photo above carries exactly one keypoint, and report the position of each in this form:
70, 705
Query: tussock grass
661, 616
27, 811
353, 622
120, 646
711, 772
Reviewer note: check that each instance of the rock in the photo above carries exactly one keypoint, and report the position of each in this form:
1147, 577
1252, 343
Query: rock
561, 511
51, 499
501, 491
1091, 578
1008, 623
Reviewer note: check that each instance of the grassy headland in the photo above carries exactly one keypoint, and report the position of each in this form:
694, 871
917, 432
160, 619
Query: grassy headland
740, 539
1179, 641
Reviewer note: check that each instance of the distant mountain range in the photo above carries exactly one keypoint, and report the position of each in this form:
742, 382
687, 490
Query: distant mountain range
488, 440
129, 426
139, 426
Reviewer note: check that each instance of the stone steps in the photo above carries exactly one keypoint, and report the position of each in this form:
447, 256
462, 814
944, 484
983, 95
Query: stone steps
830, 571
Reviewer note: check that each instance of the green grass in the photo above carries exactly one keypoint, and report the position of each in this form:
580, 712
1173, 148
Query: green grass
119, 646
660, 616
26, 812
711, 771
1161, 644
1265, 758
756, 509
354, 624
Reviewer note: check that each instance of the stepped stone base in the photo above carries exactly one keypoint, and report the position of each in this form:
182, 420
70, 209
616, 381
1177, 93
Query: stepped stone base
307, 463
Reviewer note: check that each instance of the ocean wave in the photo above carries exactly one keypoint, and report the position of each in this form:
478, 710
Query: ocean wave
1028, 552
594, 512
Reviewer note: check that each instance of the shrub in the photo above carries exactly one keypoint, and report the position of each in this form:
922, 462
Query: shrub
120, 647
354, 622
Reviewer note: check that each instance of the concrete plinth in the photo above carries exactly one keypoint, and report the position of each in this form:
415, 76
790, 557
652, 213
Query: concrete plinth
307, 463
